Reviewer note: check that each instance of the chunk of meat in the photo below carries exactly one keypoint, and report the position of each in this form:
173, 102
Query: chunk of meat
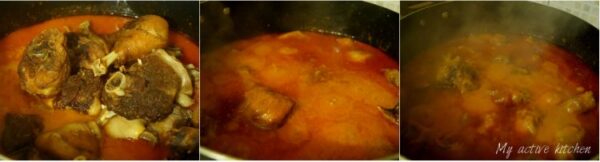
141, 36
509, 97
184, 144
527, 121
185, 86
137, 39
19, 134
147, 90
45, 64
178, 118
81, 92
455, 73
72, 141
580, 103
85, 47
265, 108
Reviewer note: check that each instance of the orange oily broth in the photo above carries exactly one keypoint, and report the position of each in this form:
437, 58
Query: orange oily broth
432, 116
335, 114
15, 100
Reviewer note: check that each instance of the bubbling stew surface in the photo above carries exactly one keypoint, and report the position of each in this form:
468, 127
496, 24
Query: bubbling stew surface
299, 95
467, 98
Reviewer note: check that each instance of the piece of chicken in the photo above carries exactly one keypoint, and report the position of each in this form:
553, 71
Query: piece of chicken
138, 38
45, 64
73, 141
85, 47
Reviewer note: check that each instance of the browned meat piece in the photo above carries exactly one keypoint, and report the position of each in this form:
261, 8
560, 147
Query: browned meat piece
580, 103
455, 73
508, 97
138, 38
264, 108
45, 64
527, 121
184, 144
81, 92
179, 117
73, 141
146, 90
85, 47
19, 134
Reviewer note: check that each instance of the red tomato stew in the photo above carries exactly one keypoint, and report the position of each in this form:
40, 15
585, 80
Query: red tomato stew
299, 95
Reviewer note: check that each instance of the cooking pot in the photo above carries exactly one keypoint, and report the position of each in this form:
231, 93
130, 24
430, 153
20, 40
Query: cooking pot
224, 22
427, 24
